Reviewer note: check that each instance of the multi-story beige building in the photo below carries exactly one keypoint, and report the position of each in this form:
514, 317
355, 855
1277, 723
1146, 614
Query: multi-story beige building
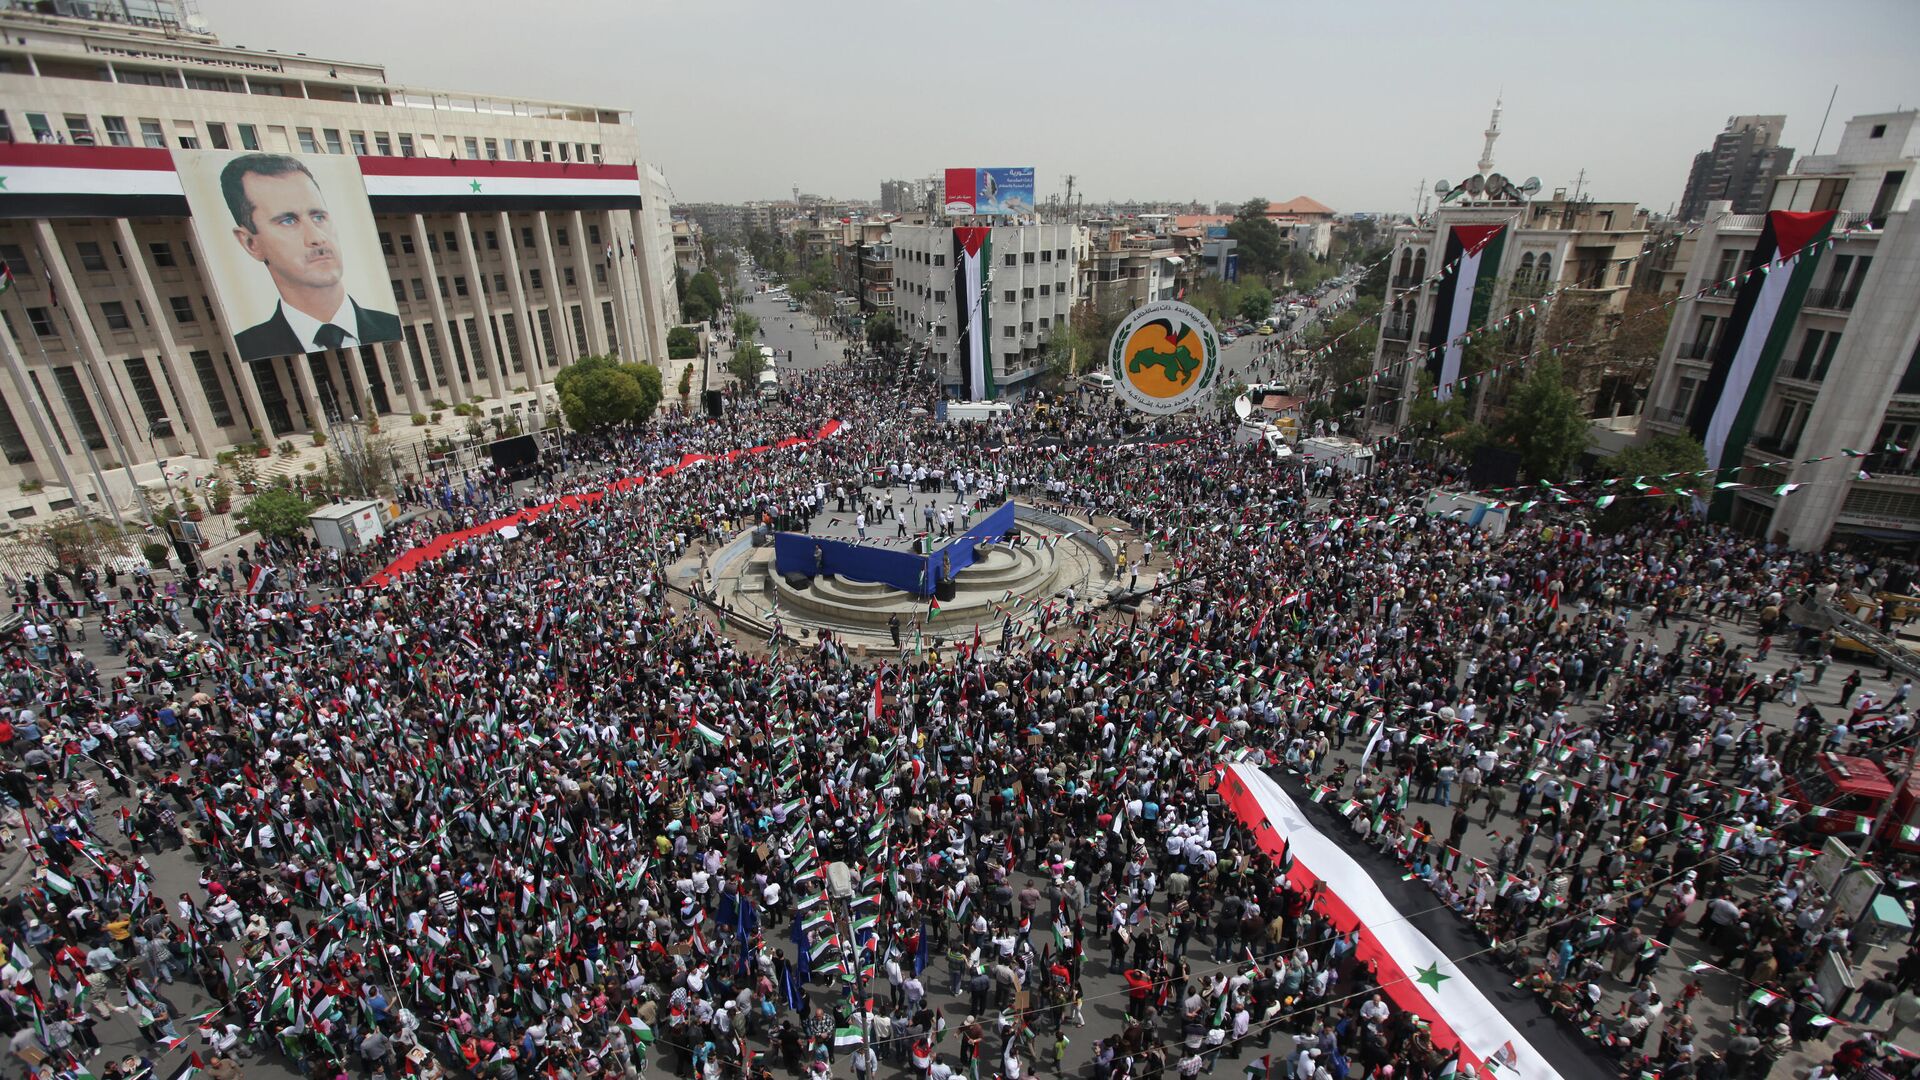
517, 236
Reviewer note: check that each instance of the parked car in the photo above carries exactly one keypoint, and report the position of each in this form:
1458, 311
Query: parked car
1099, 380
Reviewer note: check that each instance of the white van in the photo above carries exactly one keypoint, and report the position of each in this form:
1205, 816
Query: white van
978, 410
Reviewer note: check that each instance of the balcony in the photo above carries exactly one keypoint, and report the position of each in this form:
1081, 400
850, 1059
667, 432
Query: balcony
1397, 331
1405, 281
1833, 299
1695, 350
1663, 415
1776, 444
1718, 292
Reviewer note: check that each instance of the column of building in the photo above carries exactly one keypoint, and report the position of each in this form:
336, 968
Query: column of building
526, 321
482, 301
115, 423
589, 299
198, 420
557, 300
456, 382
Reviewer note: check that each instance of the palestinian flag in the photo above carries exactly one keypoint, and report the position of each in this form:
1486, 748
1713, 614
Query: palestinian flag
1411, 969
972, 254
1772, 289
709, 734
635, 1027
851, 1036
1462, 298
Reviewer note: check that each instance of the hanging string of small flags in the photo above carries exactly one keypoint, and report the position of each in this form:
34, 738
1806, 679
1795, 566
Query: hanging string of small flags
1396, 368
1676, 483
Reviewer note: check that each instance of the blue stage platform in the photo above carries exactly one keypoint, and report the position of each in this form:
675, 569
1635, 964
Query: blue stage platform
893, 564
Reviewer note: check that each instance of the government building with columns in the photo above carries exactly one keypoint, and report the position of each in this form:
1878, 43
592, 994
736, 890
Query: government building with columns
516, 235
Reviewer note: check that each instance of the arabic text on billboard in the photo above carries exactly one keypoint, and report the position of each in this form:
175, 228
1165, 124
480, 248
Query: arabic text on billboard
995, 192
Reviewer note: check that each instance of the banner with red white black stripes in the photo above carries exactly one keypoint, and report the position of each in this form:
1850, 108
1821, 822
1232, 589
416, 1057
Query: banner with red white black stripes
62, 181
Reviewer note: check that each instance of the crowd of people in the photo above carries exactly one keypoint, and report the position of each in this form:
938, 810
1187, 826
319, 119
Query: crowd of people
529, 809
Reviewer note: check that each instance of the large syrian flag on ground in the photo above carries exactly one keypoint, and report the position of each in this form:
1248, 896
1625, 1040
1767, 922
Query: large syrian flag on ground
1412, 971
1774, 285
972, 254
1463, 297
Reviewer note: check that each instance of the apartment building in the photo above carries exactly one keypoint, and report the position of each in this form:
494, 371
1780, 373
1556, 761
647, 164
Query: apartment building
1030, 293
1848, 375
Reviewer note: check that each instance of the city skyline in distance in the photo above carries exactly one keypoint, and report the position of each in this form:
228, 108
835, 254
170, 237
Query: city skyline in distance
1220, 101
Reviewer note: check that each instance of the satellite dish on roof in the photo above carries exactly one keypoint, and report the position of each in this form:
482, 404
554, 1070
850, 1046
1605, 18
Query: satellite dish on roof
1532, 185
1496, 184
1475, 185
1242, 407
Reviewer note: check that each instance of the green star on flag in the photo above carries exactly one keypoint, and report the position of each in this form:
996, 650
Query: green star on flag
475, 185
1430, 976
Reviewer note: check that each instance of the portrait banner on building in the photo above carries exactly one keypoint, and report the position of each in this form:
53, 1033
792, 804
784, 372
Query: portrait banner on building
289, 243
1463, 298
1775, 285
972, 255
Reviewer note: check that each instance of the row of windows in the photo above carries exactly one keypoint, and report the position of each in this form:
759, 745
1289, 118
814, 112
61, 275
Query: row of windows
489, 237
535, 281
152, 132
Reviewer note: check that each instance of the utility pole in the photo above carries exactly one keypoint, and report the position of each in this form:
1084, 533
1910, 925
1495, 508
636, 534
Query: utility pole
1579, 182
1069, 206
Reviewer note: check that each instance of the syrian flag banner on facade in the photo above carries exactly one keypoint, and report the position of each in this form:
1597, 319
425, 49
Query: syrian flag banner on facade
1412, 971
1462, 298
1754, 336
972, 254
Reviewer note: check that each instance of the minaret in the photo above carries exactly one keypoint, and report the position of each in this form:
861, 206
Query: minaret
1493, 132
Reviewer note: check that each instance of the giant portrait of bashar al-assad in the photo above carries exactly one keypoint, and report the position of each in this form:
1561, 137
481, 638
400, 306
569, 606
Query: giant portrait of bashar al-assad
290, 244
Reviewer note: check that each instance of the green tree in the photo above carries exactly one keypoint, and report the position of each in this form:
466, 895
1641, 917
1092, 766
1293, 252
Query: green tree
686, 383
1544, 423
882, 331
1259, 245
1651, 462
647, 377
1254, 302
745, 326
1430, 419
702, 299
746, 363
277, 512
683, 343
597, 392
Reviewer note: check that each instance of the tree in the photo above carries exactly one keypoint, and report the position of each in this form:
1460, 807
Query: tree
647, 377
597, 392
1430, 419
686, 384
745, 326
1653, 460
1259, 245
1254, 302
278, 512
1544, 423
701, 300
683, 343
882, 332
746, 363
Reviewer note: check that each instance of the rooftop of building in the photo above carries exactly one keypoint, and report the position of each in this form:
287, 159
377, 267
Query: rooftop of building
144, 38
1299, 206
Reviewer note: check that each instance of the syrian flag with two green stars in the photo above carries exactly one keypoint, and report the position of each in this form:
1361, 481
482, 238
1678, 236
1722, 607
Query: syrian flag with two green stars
1412, 971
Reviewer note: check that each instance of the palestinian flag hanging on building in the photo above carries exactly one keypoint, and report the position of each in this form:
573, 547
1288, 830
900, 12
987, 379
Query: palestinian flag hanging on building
1771, 291
1463, 297
972, 254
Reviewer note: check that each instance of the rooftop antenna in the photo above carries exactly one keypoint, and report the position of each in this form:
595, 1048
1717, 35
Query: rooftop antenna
1069, 204
1823, 119
1420, 200
1578, 182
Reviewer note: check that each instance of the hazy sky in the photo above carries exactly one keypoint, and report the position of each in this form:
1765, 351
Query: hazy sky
1352, 102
